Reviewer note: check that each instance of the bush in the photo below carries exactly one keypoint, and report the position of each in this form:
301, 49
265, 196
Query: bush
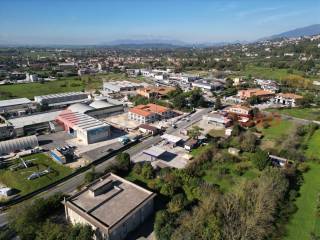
137, 168
303, 167
266, 125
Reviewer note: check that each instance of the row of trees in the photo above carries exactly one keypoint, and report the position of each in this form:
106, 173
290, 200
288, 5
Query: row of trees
39, 220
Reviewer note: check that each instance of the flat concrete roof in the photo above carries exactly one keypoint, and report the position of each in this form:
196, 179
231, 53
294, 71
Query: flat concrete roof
171, 138
13, 102
154, 151
112, 204
34, 119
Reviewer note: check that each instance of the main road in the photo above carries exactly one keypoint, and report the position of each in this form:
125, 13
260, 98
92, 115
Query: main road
71, 184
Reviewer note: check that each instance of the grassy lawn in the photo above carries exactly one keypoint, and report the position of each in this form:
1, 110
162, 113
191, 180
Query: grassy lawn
227, 181
304, 113
313, 150
18, 179
278, 128
304, 221
269, 73
65, 84
29, 90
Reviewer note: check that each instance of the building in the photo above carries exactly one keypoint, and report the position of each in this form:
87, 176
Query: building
208, 85
58, 156
288, 99
62, 99
111, 205
267, 85
217, 120
6, 129
86, 128
98, 109
31, 77
155, 92
149, 113
148, 129
191, 144
18, 144
33, 124
121, 86
186, 78
239, 110
171, 139
17, 106
262, 95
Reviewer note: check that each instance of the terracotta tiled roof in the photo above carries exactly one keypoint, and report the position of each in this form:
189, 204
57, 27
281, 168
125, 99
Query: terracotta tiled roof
147, 110
290, 95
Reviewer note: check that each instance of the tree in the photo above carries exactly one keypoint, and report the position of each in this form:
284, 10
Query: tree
147, 170
164, 225
248, 142
51, 231
179, 101
260, 159
123, 161
217, 104
80, 232
195, 132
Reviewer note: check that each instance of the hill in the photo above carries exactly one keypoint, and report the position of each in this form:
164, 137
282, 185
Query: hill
298, 32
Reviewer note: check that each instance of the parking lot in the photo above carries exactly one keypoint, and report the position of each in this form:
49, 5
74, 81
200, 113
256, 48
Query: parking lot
53, 140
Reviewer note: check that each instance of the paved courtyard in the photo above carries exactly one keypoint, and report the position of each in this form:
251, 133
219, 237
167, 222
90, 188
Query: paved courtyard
176, 157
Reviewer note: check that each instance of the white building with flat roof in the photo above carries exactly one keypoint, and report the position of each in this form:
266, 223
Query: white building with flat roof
120, 86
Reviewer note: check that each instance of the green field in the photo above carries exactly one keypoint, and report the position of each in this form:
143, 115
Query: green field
304, 113
304, 221
268, 73
278, 128
29, 90
66, 84
18, 179
227, 181
313, 150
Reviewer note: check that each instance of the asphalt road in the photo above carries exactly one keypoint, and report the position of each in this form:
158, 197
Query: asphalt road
70, 185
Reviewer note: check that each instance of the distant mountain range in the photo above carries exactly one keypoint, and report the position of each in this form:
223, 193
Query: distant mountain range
167, 43
161, 43
298, 32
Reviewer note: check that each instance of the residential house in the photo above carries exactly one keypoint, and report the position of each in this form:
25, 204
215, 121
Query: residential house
288, 99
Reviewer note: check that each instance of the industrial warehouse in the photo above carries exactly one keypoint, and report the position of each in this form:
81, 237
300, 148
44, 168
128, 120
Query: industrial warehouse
18, 144
61, 99
86, 128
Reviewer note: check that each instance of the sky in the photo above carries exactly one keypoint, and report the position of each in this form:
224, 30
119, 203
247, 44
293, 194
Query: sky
192, 21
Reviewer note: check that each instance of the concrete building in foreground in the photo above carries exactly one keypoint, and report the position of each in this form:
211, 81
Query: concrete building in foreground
112, 206
86, 128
